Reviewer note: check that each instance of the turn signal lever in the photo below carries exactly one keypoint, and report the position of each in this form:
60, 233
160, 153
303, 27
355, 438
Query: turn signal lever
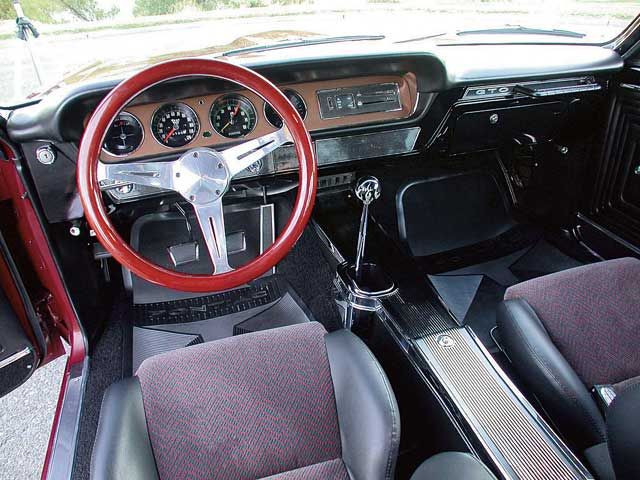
367, 190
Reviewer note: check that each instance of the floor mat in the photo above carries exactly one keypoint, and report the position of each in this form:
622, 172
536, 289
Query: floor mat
153, 340
473, 293
257, 296
543, 258
148, 342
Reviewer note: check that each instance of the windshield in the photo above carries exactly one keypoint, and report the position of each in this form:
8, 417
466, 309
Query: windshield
45, 44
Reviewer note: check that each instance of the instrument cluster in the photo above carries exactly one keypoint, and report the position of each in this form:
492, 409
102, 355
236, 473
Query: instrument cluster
176, 125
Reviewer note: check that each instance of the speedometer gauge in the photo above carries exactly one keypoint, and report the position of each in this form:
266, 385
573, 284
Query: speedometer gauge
124, 136
175, 124
296, 100
233, 116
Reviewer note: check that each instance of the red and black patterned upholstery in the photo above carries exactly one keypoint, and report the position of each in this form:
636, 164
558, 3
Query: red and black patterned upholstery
565, 333
261, 405
267, 402
592, 314
333, 469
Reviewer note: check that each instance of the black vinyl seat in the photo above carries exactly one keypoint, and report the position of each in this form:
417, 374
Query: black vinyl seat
568, 332
452, 466
289, 403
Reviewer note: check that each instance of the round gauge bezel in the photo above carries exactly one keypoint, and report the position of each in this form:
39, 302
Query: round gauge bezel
285, 90
155, 112
124, 155
227, 97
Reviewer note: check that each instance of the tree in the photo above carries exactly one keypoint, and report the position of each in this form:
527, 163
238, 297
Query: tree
87, 10
157, 7
45, 10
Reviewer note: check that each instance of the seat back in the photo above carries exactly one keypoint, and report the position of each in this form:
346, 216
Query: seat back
288, 403
244, 407
592, 315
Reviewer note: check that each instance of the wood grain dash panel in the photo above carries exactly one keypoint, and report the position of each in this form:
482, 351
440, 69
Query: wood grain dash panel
202, 105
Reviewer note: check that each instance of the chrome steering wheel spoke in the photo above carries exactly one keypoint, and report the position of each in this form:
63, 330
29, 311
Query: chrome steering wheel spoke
242, 156
211, 219
148, 174
202, 176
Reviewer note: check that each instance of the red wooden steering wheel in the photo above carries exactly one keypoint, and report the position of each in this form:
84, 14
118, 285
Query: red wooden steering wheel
200, 175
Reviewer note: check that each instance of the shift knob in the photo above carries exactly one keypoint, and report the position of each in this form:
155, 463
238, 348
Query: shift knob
368, 189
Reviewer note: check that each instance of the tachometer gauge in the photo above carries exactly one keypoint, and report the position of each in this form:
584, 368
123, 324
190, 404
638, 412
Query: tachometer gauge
233, 116
175, 125
124, 135
296, 100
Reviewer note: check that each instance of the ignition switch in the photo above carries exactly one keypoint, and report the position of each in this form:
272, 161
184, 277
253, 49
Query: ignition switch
46, 155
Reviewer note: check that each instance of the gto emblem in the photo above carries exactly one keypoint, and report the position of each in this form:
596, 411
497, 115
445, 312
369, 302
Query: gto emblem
445, 341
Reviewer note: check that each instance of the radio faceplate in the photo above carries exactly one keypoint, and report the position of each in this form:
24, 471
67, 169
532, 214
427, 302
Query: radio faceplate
340, 102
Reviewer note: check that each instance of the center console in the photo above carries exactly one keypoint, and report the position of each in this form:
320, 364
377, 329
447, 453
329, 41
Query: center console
503, 425
495, 421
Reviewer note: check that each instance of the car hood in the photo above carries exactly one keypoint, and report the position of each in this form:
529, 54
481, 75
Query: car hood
121, 68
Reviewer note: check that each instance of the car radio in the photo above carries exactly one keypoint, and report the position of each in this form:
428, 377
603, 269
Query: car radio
340, 102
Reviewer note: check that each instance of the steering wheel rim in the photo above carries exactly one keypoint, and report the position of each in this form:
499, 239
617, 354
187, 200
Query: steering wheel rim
91, 195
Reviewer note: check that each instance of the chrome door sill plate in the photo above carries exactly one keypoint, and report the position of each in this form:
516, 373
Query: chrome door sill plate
520, 443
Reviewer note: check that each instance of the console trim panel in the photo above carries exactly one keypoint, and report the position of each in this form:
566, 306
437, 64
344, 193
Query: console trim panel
520, 443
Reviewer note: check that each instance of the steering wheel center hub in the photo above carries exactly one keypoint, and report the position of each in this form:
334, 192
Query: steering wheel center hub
201, 176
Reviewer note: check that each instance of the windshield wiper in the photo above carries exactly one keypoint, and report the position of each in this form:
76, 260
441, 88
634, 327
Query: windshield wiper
297, 43
21, 105
419, 39
519, 29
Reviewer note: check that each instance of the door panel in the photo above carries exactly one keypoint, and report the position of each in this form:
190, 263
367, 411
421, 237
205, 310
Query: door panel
26, 235
19, 346
615, 198
17, 355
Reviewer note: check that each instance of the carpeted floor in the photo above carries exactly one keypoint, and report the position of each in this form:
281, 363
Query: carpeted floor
311, 276
108, 363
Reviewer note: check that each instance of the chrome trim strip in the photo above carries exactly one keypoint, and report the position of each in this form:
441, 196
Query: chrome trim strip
624, 35
630, 86
335, 253
519, 442
609, 233
63, 449
405, 345
15, 357
330, 151
490, 97
528, 407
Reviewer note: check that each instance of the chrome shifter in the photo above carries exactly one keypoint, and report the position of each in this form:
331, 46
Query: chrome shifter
367, 190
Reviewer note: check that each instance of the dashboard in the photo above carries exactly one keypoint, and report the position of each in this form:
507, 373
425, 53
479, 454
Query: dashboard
359, 100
